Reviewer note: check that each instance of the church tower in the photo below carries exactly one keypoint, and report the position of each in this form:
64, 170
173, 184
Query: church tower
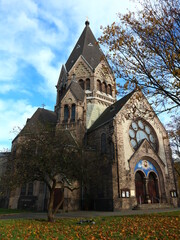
88, 77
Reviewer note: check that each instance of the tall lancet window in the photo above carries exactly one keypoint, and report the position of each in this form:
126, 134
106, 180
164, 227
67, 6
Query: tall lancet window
109, 89
81, 83
104, 87
87, 84
66, 113
73, 112
99, 87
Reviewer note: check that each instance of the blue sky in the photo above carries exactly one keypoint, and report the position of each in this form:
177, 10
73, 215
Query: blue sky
36, 38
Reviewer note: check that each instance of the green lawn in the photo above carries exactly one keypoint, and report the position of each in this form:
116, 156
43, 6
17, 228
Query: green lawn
153, 226
9, 211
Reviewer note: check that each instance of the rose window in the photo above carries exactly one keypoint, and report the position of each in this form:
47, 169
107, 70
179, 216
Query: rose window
140, 130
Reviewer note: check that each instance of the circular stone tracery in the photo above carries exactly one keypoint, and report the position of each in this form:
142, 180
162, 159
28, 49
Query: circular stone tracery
140, 130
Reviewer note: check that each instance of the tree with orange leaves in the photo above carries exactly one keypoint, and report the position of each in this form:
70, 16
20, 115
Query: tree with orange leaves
144, 50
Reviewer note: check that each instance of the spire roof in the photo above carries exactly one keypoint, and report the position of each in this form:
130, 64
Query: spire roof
86, 46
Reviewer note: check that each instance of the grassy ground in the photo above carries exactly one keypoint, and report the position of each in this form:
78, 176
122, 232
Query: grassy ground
153, 226
9, 211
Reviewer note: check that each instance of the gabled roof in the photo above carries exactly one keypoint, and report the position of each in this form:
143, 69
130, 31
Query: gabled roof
88, 47
76, 90
151, 150
110, 112
41, 116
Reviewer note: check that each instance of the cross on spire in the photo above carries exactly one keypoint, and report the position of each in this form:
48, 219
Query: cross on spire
43, 105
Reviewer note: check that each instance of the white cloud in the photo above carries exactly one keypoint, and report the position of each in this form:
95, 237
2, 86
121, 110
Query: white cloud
16, 6
41, 34
42, 62
13, 114
6, 88
8, 68
24, 35
28, 27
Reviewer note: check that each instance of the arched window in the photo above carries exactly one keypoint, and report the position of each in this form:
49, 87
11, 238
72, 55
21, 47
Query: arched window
66, 113
104, 87
23, 190
87, 84
109, 89
99, 85
73, 112
81, 83
30, 189
103, 143
139, 130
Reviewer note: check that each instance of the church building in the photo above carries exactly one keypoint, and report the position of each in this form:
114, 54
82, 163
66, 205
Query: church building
135, 165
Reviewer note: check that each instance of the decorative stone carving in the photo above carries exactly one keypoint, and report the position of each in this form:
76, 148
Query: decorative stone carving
81, 69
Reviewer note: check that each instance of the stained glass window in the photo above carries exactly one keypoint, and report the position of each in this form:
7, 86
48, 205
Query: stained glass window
73, 112
140, 130
66, 113
87, 84
81, 83
30, 189
99, 87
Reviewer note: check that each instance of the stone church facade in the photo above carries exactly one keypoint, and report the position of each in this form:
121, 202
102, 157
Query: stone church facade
134, 157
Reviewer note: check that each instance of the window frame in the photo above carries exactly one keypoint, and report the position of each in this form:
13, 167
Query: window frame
73, 112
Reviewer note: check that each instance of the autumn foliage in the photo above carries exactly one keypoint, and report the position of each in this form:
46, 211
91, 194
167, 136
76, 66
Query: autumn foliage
127, 227
143, 49
41, 154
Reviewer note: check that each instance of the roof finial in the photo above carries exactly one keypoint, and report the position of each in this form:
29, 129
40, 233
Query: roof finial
87, 22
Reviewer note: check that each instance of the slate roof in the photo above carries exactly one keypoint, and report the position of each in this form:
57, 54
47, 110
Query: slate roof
110, 112
88, 47
76, 90
42, 116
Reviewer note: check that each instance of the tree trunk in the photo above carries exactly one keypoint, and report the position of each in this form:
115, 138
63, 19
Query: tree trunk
58, 206
50, 204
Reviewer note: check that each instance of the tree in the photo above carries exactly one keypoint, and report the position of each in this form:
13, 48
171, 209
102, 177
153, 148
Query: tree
173, 129
143, 49
46, 155
174, 136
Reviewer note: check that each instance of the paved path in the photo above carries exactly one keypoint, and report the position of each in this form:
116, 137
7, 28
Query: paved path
83, 214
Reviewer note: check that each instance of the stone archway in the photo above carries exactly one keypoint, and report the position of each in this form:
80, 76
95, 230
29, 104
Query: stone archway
140, 187
153, 188
147, 182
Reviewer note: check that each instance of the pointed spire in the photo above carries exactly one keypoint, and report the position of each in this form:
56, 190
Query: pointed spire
87, 47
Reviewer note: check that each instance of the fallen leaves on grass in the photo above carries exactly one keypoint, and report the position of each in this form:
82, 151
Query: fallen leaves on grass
127, 227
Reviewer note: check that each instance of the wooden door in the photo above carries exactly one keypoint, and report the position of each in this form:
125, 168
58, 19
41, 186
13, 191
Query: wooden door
153, 188
140, 187
58, 196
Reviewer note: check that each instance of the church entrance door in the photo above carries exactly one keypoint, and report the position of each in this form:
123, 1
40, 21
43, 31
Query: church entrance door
153, 188
58, 196
140, 187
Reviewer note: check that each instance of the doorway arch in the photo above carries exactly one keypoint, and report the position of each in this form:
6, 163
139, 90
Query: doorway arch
140, 187
153, 187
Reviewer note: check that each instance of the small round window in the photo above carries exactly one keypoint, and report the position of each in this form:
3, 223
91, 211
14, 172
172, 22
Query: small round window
140, 130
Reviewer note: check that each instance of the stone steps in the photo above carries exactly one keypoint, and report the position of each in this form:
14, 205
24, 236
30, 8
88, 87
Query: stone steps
152, 206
